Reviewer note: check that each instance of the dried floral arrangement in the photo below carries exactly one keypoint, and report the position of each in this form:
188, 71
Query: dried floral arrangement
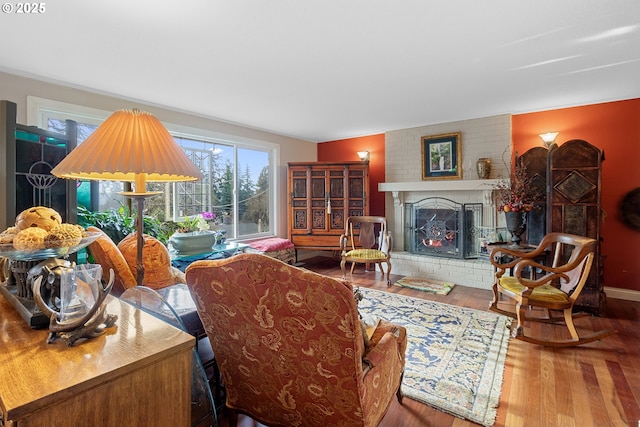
516, 194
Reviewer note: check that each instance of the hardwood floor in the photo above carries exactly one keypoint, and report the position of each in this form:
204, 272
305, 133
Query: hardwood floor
597, 384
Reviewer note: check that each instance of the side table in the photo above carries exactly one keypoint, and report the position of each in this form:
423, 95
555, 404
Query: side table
181, 302
203, 406
505, 258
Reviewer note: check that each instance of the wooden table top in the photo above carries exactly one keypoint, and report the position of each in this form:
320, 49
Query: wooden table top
34, 374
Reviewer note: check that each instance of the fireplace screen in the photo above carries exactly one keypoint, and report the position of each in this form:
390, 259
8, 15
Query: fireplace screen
441, 227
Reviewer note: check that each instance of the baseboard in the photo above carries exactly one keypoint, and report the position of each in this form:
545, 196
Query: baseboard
625, 294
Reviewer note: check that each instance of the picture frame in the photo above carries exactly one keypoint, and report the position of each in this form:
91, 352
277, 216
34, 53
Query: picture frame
442, 156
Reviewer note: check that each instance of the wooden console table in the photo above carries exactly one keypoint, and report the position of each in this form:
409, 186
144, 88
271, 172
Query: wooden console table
137, 374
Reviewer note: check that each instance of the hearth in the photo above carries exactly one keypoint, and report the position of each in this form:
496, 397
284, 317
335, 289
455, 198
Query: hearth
437, 226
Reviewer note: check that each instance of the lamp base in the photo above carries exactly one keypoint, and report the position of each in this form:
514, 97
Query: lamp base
139, 197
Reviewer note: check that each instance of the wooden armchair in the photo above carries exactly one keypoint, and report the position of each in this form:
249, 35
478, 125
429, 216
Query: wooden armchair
290, 347
359, 243
550, 289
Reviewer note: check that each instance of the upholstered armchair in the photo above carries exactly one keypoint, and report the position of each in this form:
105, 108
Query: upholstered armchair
121, 258
360, 244
290, 346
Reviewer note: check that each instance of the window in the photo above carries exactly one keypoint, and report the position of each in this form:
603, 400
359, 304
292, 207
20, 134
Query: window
238, 176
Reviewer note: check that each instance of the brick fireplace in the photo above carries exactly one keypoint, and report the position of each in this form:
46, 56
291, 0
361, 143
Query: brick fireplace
462, 263
488, 137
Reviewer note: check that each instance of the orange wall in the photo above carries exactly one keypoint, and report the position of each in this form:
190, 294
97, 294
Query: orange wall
615, 128
345, 150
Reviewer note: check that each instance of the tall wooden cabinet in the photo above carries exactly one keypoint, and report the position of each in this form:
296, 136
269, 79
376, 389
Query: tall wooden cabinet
574, 206
321, 197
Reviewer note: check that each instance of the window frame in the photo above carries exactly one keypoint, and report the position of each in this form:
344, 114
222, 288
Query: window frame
40, 110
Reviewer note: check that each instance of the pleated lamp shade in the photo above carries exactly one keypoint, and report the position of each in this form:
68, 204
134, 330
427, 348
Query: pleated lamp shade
131, 146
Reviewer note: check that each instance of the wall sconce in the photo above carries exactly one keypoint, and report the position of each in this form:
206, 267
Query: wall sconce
364, 155
548, 138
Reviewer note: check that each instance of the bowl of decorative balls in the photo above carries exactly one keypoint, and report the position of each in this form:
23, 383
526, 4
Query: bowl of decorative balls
39, 233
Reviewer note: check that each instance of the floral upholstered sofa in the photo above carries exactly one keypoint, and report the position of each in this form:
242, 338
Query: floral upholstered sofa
290, 347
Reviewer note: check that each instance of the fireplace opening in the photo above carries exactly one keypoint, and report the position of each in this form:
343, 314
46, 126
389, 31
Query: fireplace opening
438, 226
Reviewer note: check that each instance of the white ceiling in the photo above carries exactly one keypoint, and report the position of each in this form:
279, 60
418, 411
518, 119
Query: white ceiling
322, 70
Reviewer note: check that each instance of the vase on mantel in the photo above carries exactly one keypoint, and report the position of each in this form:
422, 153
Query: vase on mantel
483, 168
516, 225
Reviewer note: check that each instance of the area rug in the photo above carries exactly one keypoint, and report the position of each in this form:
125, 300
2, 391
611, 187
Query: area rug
428, 285
455, 356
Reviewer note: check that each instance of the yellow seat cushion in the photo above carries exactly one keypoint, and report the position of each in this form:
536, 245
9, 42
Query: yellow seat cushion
544, 294
366, 254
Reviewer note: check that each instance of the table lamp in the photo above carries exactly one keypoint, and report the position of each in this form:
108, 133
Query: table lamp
131, 146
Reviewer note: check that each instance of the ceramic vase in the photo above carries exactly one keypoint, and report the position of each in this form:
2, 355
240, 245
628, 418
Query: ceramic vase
483, 167
195, 242
516, 224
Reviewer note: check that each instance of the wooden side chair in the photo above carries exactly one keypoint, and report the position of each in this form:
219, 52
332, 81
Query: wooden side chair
550, 288
359, 243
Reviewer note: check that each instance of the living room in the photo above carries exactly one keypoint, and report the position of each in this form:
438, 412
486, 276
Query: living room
610, 126
609, 123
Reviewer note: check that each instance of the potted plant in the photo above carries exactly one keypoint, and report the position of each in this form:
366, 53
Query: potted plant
194, 235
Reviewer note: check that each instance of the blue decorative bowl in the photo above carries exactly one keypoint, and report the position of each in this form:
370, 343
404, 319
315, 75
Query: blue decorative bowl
192, 243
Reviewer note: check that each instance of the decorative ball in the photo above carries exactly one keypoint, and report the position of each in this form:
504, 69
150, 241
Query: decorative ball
63, 235
7, 235
38, 216
30, 239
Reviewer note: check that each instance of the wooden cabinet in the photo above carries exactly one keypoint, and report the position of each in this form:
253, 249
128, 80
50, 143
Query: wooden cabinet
136, 374
321, 197
574, 206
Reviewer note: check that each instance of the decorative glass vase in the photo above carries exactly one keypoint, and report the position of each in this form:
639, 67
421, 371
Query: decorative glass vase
79, 291
516, 225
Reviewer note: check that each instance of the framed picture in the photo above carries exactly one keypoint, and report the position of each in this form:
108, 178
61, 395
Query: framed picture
442, 156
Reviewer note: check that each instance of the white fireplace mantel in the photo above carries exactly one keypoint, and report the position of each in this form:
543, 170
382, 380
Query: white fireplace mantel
397, 188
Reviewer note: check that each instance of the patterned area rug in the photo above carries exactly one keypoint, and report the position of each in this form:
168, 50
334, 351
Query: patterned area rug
455, 356
428, 285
